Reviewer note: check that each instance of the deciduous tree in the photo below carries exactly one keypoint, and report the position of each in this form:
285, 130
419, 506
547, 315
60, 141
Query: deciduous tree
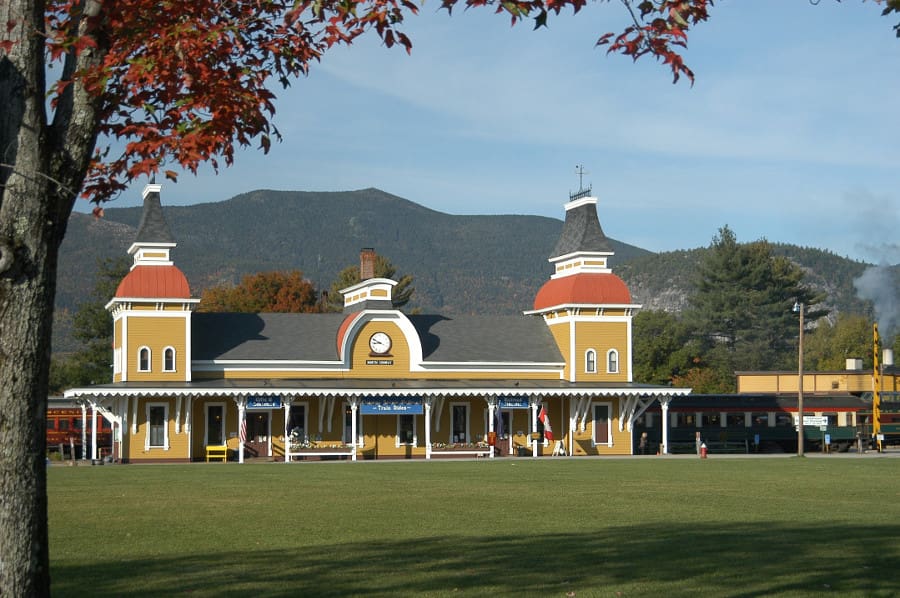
266, 292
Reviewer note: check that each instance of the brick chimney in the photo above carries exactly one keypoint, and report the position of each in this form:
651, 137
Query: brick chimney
366, 263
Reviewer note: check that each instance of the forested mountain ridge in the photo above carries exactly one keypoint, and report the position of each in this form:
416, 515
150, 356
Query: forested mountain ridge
461, 264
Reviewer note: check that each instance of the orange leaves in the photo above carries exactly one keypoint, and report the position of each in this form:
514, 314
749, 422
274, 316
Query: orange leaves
272, 292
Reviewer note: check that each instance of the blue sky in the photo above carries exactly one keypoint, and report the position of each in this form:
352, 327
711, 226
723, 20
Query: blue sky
790, 133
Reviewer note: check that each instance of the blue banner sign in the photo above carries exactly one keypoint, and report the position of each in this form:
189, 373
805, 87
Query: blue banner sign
514, 403
407, 406
264, 402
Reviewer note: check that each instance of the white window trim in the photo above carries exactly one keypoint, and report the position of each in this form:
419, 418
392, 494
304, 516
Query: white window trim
165, 445
609, 425
149, 359
206, 441
415, 431
609, 354
587, 361
174, 359
468, 418
305, 405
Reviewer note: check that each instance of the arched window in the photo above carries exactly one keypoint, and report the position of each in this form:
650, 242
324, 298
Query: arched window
590, 361
169, 359
144, 359
612, 361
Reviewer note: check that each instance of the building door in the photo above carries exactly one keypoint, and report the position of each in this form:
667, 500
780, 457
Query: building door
259, 434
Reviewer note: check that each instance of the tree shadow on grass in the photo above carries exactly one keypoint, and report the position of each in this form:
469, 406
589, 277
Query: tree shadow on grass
712, 560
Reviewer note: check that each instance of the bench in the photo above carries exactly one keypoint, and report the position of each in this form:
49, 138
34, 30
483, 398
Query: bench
217, 451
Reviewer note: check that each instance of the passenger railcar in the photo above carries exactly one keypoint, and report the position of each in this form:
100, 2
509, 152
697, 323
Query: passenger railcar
65, 421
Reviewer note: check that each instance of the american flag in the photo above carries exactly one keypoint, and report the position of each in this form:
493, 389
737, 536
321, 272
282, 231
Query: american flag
243, 429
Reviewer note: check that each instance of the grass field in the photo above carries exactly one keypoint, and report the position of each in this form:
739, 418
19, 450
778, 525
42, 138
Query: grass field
517, 527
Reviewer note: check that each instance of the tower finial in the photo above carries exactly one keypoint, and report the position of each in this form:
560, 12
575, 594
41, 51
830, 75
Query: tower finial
582, 192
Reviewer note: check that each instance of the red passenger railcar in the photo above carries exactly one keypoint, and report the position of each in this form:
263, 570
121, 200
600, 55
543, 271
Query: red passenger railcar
64, 430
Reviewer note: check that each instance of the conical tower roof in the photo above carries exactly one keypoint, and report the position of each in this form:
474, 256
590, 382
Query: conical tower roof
153, 227
582, 231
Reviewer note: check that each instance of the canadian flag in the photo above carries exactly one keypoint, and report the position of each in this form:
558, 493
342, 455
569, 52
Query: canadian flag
545, 419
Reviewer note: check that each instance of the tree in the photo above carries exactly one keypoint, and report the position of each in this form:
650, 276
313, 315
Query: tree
741, 310
158, 82
93, 328
349, 276
266, 292
662, 347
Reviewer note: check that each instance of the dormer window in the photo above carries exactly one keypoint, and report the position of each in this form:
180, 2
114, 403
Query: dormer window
612, 361
169, 359
144, 359
590, 361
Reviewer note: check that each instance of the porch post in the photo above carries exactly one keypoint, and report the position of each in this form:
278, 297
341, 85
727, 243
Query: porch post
93, 430
355, 441
491, 410
427, 401
533, 429
242, 427
288, 401
664, 404
83, 432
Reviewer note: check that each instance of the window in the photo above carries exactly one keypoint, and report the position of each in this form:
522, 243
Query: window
215, 424
144, 359
612, 362
297, 428
63, 424
51, 424
735, 419
601, 424
459, 423
590, 361
168, 359
157, 432
406, 430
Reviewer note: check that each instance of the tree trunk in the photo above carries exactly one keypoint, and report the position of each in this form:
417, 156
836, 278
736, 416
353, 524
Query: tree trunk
42, 167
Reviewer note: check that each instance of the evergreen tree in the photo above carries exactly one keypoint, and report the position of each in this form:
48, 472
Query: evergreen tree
741, 310
92, 326
349, 276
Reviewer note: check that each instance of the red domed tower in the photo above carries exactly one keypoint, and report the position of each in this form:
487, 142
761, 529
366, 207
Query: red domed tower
586, 306
152, 305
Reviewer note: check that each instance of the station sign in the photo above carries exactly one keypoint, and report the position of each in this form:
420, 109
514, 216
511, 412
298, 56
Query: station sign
816, 421
514, 402
264, 402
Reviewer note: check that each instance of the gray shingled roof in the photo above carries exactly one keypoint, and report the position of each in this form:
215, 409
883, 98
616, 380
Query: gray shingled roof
581, 232
153, 227
312, 337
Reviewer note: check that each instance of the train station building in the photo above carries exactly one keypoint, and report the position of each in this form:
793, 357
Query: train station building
373, 382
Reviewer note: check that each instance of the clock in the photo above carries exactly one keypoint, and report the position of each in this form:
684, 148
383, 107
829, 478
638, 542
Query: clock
380, 343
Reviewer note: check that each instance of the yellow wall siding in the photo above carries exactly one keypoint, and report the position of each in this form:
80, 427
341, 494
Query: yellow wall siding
157, 334
601, 336
561, 334
135, 447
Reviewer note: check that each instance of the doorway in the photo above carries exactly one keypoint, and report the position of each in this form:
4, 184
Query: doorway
259, 434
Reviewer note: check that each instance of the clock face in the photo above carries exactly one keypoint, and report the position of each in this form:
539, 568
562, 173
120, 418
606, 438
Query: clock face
380, 343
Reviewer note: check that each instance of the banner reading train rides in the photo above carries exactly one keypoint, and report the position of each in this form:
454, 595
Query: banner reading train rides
404, 406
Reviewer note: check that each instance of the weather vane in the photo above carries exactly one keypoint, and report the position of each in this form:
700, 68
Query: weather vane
580, 171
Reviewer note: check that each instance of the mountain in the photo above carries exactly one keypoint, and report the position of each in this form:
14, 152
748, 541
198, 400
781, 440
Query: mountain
461, 264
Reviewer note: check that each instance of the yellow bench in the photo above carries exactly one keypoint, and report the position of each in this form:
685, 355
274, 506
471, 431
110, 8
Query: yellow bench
217, 451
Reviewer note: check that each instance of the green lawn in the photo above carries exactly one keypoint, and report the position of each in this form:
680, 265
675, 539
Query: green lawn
590, 527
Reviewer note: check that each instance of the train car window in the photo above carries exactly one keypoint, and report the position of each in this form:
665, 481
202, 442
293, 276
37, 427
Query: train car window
760, 419
734, 419
77, 423
63, 424
104, 424
832, 418
710, 419
784, 420
51, 424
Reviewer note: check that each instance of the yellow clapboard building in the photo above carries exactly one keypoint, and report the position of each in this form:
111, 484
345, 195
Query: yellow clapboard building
373, 382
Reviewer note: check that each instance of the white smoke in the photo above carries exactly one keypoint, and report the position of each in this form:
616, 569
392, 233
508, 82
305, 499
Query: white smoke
881, 285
